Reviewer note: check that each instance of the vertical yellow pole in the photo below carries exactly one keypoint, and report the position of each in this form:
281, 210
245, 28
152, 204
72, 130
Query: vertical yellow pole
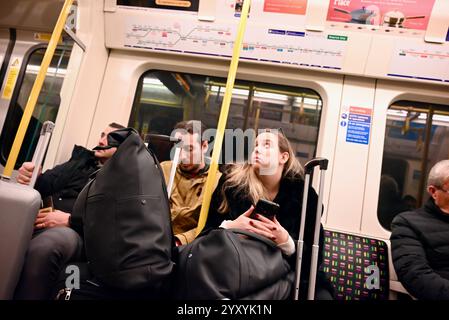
31, 103
211, 177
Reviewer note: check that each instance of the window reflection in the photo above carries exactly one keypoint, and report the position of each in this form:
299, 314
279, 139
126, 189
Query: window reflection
164, 98
416, 137
47, 105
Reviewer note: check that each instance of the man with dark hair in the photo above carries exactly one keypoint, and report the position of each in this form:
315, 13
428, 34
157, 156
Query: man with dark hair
420, 241
191, 174
54, 243
63, 183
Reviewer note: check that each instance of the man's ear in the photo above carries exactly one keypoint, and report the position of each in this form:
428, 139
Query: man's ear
432, 191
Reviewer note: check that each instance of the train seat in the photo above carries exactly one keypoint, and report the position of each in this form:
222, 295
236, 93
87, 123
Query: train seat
345, 258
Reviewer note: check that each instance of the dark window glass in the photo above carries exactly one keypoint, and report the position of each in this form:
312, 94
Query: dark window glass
164, 98
47, 105
416, 137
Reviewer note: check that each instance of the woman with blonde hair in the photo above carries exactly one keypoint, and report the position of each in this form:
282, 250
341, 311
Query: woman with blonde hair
272, 173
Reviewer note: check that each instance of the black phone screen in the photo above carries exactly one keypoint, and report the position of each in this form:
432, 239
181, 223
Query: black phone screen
266, 208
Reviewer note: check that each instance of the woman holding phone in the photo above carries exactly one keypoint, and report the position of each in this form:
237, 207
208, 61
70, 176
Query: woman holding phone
274, 174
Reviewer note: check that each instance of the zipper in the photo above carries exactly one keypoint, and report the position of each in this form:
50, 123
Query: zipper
68, 294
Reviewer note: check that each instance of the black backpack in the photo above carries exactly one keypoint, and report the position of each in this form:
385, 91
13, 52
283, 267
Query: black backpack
125, 218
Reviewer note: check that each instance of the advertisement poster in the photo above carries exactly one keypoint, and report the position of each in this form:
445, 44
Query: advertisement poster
183, 5
408, 14
286, 6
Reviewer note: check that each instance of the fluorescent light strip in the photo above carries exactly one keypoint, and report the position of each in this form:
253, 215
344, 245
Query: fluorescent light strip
152, 81
35, 69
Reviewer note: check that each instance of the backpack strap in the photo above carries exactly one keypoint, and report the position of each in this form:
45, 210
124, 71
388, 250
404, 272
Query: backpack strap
76, 219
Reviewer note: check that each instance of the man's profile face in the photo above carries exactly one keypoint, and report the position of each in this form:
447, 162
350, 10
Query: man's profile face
441, 195
104, 155
192, 152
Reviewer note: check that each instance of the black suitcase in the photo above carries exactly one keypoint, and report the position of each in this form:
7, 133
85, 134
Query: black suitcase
19, 205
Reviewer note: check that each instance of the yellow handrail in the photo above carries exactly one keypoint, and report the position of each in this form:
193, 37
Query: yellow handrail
31, 103
211, 177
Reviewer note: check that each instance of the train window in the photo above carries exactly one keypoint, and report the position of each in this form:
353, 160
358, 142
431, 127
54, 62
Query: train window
46, 107
164, 98
416, 137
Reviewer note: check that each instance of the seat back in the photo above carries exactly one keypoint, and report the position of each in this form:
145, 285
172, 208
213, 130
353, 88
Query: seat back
346, 258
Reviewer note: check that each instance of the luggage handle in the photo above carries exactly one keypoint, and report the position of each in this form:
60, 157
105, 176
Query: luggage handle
41, 149
175, 161
163, 137
308, 168
174, 165
310, 165
255, 236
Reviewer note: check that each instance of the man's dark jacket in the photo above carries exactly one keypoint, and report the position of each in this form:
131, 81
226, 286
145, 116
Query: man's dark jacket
65, 181
420, 250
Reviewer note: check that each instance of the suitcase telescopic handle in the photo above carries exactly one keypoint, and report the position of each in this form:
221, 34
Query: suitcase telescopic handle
174, 165
308, 168
310, 165
178, 144
163, 137
41, 149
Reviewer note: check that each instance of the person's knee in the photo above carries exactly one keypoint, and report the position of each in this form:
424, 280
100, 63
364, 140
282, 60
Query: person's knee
60, 242
323, 294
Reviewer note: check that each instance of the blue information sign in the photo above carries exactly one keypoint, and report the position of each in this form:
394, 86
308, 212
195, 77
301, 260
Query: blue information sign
359, 124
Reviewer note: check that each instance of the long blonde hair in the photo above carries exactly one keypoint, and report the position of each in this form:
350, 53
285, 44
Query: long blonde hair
244, 179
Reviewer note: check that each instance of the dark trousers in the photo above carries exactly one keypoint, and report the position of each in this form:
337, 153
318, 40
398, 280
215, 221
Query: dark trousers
323, 294
48, 252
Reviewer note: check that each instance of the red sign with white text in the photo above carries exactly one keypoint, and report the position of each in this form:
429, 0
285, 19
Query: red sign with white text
285, 6
408, 14
358, 110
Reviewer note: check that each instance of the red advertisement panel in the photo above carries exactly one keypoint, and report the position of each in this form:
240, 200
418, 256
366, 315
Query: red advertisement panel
285, 6
409, 14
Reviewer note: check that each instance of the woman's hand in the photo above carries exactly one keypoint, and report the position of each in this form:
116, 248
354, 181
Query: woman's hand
246, 223
271, 229
263, 226
242, 221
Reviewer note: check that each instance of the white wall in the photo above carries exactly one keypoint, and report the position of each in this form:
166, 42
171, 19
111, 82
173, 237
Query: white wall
74, 125
350, 161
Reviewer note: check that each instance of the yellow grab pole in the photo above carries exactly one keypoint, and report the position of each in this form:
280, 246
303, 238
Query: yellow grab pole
31, 103
211, 177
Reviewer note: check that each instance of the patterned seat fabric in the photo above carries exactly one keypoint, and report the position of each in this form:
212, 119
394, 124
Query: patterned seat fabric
346, 258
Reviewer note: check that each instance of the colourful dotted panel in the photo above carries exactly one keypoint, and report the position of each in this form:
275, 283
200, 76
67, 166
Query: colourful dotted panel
346, 258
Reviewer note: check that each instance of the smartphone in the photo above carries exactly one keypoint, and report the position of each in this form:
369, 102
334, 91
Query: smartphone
47, 202
266, 208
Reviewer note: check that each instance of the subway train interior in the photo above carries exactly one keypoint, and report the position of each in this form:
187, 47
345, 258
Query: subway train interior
363, 84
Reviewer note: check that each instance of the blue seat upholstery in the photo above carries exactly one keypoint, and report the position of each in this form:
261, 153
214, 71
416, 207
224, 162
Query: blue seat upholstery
345, 258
